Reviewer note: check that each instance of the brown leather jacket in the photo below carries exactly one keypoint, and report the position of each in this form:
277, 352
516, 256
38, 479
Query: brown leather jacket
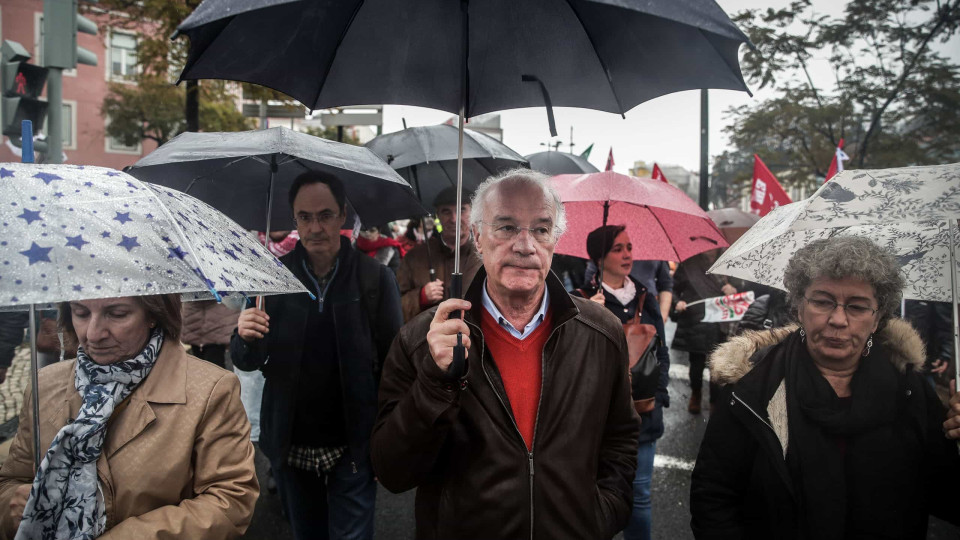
457, 441
414, 271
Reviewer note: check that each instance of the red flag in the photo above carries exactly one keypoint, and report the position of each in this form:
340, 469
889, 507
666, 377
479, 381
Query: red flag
610, 160
836, 165
767, 193
658, 174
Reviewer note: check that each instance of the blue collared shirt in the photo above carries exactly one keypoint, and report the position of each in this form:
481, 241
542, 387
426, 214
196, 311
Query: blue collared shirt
502, 321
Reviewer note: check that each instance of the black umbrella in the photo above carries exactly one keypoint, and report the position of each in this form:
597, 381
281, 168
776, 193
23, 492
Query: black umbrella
554, 163
467, 57
426, 157
247, 174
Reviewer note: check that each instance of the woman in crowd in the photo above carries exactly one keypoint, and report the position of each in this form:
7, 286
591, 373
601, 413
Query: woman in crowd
610, 248
827, 429
139, 440
691, 283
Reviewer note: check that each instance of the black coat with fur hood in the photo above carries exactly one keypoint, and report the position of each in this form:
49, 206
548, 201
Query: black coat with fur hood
742, 487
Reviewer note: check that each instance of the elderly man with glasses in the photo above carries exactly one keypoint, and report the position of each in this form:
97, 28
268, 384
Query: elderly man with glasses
536, 435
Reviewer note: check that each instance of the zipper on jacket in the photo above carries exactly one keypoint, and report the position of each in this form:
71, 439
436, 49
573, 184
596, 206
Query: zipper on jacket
736, 397
530, 462
516, 428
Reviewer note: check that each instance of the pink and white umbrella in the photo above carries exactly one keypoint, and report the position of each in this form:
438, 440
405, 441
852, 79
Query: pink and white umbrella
664, 224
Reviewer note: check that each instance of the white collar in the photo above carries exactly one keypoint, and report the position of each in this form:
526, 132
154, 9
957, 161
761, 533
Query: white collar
502, 321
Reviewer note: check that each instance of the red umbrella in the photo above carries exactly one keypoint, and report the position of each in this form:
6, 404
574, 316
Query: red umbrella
664, 224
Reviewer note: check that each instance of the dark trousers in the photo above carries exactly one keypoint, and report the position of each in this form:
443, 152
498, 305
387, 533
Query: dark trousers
215, 354
335, 506
698, 361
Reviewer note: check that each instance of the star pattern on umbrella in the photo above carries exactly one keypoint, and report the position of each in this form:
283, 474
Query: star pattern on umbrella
75, 224
37, 254
129, 242
30, 215
76, 242
5, 173
47, 177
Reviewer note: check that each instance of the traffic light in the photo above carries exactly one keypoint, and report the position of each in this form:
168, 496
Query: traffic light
60, 26
22, 85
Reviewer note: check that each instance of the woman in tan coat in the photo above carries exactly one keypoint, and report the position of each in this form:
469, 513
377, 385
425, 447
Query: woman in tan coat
139, 439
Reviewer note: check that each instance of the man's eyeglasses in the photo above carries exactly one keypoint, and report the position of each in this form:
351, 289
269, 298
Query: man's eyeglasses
324, 218
826, 307
507, 232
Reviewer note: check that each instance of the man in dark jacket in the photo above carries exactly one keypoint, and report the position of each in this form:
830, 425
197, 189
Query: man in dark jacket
424, 274
321, 359
535, 435
697, 338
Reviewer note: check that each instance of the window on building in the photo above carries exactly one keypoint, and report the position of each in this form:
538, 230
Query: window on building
69, 123
117, 147
123, 55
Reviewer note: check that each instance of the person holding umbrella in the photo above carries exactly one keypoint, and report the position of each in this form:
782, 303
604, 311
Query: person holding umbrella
424, 274
827, 430
140, 439
321, 360
535, 436
610, 249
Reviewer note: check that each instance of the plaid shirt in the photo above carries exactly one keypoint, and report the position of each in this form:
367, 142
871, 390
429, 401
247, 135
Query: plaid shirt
318, 460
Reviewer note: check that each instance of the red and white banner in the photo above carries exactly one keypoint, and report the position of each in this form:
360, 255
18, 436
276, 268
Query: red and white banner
727, 308
767, 192
658, 174
610, 160
837, 164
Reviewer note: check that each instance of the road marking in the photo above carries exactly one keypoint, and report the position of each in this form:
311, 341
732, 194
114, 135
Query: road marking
670, 462
682, 372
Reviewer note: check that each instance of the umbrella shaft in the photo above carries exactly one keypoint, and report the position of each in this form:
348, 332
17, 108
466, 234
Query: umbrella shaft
34, 384
952, 242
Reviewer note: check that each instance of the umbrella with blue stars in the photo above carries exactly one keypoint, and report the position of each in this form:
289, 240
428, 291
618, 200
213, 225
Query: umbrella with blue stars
73, 232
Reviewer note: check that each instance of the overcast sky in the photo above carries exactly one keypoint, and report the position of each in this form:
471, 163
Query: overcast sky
665, 130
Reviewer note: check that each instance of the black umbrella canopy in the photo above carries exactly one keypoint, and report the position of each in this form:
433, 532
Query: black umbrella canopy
426, 157
232, 171
554, 163
608, 55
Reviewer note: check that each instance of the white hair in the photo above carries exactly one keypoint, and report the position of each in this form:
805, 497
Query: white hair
520, 177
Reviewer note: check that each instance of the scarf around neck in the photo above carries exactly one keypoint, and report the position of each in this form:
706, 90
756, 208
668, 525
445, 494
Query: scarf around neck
833, 441
624, 294
64, 501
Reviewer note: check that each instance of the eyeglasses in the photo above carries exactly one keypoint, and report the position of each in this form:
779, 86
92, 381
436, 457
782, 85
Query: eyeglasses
826, 307
324, 218
507, 233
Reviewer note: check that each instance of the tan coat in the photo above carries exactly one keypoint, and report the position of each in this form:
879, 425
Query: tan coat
177, 461
207, 322
414, 271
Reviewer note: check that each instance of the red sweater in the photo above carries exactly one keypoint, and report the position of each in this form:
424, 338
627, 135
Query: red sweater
521, 369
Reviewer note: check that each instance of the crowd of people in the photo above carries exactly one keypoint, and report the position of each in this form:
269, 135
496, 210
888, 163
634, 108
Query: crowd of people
825, 418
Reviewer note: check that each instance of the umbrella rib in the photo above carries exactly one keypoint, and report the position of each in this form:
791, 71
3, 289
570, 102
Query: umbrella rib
664, 229
326, 70
603, 64
733, 69
198, 177
183, 238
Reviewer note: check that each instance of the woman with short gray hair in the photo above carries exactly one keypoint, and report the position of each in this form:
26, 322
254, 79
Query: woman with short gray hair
827, 429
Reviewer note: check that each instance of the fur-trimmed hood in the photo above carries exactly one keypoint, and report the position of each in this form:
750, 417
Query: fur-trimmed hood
731, 361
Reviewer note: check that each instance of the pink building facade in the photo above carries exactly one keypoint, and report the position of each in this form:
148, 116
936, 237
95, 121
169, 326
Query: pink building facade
84, 137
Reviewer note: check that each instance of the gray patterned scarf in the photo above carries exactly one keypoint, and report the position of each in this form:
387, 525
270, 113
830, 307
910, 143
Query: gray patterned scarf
64, 502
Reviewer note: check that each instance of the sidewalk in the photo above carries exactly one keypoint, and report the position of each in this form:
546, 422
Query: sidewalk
11, 397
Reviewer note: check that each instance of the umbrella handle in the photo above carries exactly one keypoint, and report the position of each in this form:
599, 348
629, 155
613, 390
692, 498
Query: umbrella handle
457, 367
